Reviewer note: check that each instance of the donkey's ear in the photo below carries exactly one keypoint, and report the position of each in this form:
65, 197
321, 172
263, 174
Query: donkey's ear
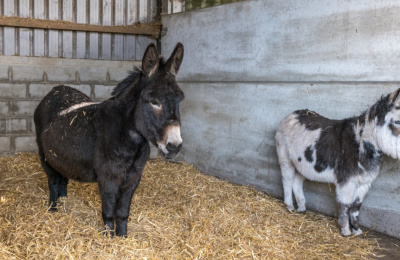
150, 60
174, 62
394, 97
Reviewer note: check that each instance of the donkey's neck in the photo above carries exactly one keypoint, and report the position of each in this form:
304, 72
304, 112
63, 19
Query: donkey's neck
121, 110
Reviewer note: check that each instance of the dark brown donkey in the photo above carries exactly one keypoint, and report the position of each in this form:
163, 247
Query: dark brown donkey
108, 142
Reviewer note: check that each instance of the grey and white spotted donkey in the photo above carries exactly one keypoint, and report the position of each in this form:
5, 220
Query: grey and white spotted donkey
345, 152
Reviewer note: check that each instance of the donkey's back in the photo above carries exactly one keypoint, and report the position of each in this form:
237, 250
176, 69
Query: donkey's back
59, 98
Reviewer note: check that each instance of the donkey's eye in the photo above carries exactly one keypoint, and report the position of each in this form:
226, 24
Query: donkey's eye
154, 103
397, 122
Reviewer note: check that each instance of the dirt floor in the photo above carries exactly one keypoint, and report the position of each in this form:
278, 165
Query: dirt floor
177, 213
389, 246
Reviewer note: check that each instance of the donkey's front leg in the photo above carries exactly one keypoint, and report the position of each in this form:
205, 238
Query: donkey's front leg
344, 195
108, 192
122, 212
123, 204
354, 212
344, 220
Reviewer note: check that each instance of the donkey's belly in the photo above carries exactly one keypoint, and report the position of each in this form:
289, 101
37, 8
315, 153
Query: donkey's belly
306, 165
69, 148
69, 165
308, 171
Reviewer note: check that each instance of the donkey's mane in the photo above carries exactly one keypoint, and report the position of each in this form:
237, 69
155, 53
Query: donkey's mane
132, 78
379, 110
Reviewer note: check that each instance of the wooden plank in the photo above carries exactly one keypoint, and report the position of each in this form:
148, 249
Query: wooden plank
24, 41
118, 39
81, 17
52, 41
38, 34
67, 15
9, 32
151, 29
106, 37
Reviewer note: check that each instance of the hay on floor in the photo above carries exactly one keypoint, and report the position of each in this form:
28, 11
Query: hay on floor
176, 213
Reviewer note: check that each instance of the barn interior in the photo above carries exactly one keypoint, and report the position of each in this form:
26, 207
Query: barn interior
247, 64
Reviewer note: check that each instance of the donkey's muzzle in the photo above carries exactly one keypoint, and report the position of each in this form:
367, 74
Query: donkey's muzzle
173, 150
173, 141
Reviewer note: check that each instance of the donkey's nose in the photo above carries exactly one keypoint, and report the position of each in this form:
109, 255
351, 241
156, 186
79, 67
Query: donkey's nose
173, 149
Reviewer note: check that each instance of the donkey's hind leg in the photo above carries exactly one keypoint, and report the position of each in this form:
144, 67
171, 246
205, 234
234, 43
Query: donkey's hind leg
298, 192
288, 175
57, 184
287, 170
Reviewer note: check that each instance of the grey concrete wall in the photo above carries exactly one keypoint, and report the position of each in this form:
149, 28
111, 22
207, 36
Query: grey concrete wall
249, 64
24, 81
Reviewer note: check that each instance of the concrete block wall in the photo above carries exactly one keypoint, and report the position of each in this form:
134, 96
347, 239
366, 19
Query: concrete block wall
24, 81
248, 64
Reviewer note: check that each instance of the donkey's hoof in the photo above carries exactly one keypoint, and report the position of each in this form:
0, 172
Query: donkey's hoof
346, 232
290, 208
301, 209
108, 233
52, 209
357, 232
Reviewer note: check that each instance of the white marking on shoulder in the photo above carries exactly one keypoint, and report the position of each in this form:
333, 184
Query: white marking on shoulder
75, 107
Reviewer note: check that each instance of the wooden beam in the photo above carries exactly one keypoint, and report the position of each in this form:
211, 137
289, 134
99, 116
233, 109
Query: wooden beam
151, 29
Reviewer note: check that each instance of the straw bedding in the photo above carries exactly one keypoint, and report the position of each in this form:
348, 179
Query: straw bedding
176, 213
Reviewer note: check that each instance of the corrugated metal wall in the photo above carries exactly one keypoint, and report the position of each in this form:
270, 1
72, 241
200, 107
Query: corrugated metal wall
81, 45
173, 6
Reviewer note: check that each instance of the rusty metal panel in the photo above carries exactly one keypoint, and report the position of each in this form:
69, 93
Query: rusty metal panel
81, 45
